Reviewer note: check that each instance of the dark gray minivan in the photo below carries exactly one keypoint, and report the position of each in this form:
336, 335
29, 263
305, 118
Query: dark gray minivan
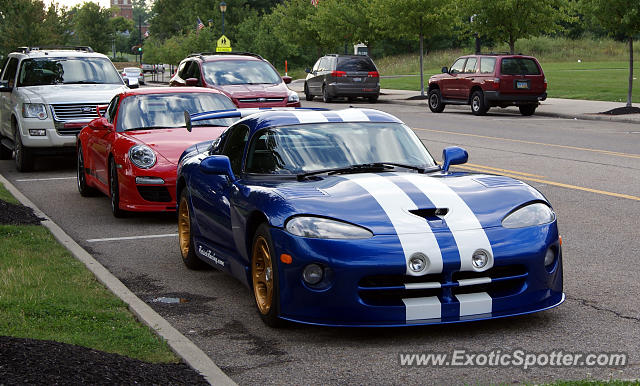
349, 76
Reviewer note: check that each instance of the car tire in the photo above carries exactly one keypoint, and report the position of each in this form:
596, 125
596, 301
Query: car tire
114, 191
81, 176
478, 106
325, 95
5, 153
264, 277
527, 110
373, 99
23, 155
307, 95
185, 236
435, 101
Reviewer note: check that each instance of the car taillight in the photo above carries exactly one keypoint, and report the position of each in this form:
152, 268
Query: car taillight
338, 74
374, 74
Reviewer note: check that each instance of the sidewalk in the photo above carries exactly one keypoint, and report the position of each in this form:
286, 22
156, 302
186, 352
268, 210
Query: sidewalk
552, 107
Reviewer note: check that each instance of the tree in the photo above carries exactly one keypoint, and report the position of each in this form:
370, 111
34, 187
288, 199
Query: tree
510, 20
21, 24
621, 18
92, 26
345, 21
411, 19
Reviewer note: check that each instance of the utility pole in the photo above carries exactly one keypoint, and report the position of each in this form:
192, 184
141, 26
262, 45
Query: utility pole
140, 35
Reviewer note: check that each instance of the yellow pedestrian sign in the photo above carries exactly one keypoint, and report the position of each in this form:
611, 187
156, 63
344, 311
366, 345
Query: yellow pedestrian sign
224, 44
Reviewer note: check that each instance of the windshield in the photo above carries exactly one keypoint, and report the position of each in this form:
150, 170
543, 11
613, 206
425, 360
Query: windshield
321, 146
78, 70
151, 111
226, 72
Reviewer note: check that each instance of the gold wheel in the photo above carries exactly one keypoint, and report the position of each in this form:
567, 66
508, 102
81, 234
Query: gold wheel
184, 228
262, 272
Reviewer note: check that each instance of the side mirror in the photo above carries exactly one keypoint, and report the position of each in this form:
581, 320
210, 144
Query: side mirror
192, 82
101, 110
307, 70
286, 79
4, 86
453, 155
100, 124
445, 70
217, 164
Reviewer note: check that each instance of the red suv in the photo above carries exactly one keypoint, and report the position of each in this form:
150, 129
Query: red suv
248, 79
485, 81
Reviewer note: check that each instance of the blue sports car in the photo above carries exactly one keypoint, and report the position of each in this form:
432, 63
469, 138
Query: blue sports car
343, 218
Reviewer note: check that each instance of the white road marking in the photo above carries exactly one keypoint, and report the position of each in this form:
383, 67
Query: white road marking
132, 237
45, 179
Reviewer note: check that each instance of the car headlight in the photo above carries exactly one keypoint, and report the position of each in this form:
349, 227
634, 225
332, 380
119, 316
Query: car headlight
323, 228
293, 97
34, 110
142, 156
530, 215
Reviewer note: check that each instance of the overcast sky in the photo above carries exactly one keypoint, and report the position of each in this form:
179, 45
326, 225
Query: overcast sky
71, 3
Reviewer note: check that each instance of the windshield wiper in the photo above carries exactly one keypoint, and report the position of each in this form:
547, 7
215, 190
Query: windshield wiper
82, 82
364, 168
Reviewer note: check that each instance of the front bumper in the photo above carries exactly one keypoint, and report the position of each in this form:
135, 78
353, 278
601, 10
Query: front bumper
147, 197
365, 282
52, 138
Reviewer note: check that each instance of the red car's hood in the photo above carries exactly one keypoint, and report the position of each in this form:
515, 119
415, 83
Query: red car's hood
255, 90
170, 143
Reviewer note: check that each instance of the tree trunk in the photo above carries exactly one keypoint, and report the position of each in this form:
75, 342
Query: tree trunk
630, 71
421, 61
512, 45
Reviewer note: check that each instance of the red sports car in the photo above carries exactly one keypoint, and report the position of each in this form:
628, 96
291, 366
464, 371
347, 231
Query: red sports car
130, 153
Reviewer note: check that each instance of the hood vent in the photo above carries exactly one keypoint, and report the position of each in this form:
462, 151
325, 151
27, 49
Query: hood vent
497, 181
430, 214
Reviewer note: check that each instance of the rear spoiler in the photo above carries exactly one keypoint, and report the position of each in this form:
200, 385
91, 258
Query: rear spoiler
237, 113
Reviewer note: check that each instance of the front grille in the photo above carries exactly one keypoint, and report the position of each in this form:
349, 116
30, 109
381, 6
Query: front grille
260, 100
154, 193
68, 113
385, 290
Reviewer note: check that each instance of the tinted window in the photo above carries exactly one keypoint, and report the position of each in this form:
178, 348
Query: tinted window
458, 66
470, 67
519, 66
112, 108
311, 147
167, 110
80, 70
346, 63
487, 65
10, 73
234, 146
224, 72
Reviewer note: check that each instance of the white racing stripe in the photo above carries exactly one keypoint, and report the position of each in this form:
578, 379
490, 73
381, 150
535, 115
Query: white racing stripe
463, 223
474, 304
132, 237
310, 116
414, 232
422, 308
352, 115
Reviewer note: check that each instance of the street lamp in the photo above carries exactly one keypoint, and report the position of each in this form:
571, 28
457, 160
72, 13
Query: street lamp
223, 9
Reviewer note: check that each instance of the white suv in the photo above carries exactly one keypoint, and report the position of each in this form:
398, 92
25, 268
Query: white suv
47, 96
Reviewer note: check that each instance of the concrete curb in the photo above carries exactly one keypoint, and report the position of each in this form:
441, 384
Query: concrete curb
181, 345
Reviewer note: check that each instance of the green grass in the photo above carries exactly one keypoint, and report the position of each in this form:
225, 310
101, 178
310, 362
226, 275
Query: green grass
6, 196
47, 294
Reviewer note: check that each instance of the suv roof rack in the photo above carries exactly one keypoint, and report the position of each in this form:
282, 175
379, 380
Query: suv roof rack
497, 53
26, 50
224, 53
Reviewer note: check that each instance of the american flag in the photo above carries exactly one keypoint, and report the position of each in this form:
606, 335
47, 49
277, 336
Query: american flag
200, 24
315, 2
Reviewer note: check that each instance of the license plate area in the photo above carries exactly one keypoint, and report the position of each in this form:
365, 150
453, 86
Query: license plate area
522, 85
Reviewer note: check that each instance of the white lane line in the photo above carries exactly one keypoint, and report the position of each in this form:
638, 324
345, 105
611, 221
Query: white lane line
132, 237
45, 179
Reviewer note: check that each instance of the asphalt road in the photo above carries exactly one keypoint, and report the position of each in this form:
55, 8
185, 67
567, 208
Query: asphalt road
589, 170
